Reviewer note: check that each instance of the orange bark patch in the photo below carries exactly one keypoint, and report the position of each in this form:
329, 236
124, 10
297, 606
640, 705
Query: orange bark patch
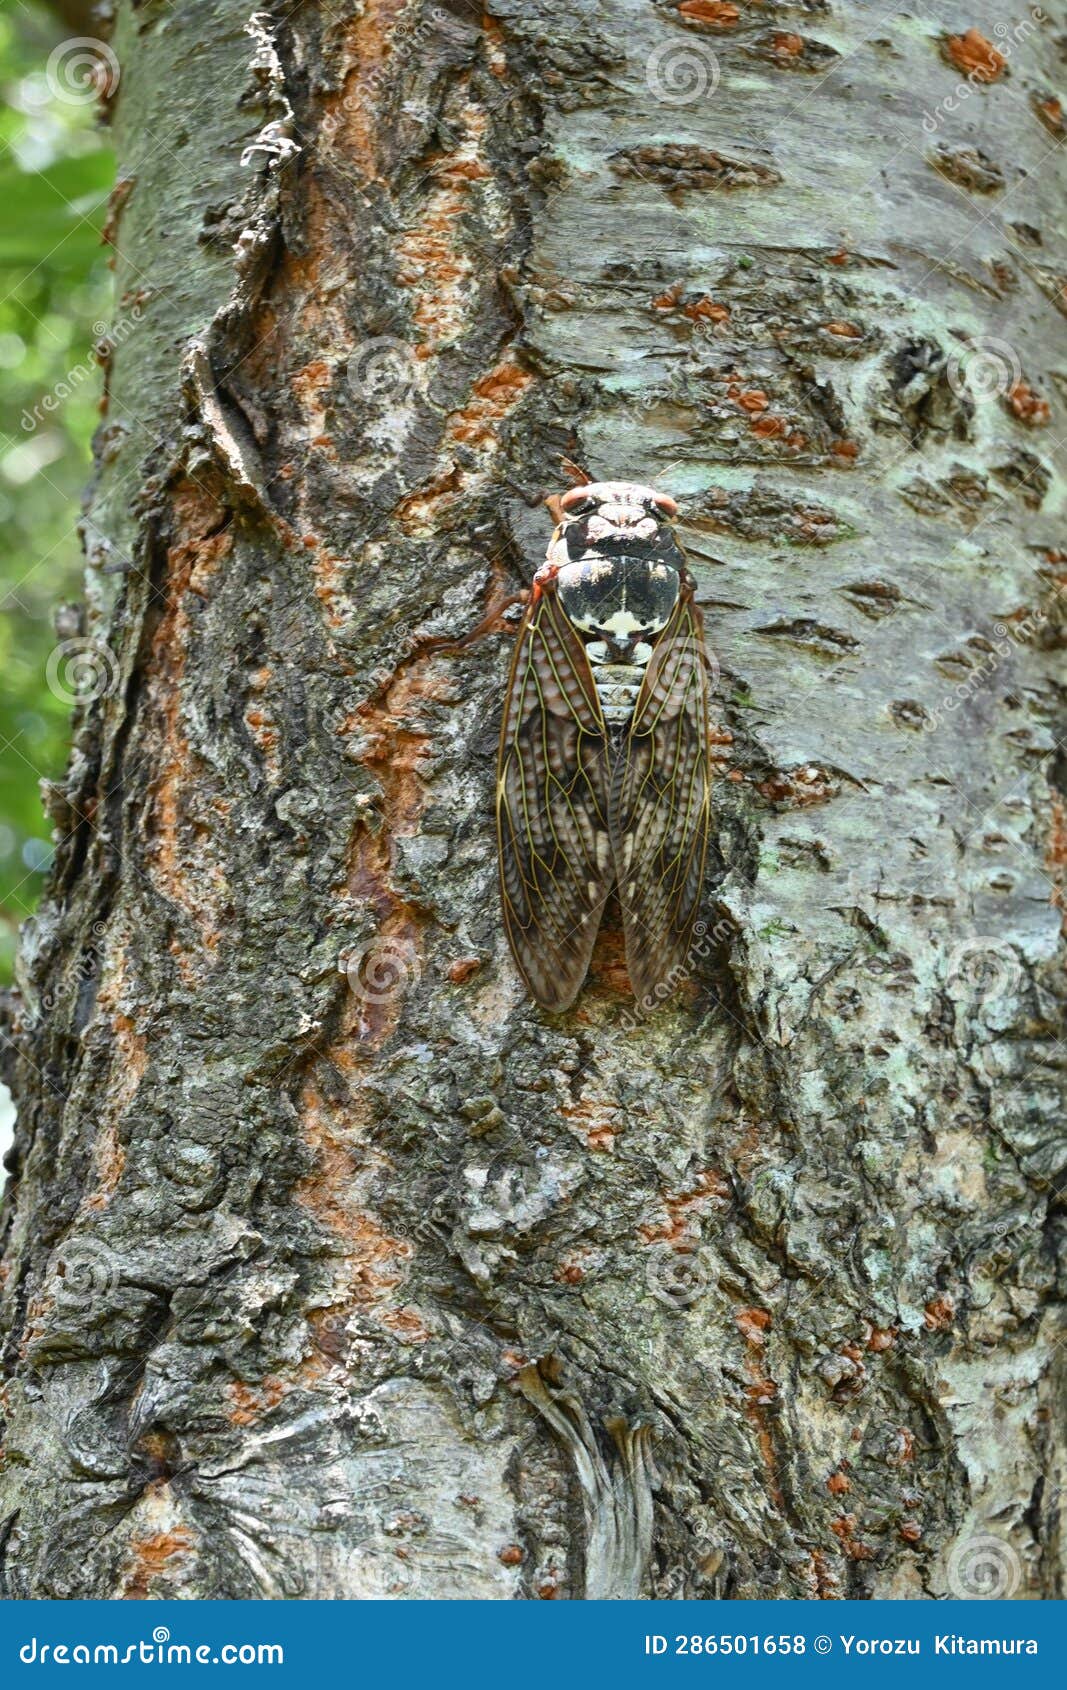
368, 48
182, 864
707, 308
754, 1324
477, 425
151, 1557
116, 205
493, 397
844, 1527
261, 725
838, 1483
394, 755
1050, 111
976, 57
571, 1270
250, 1402
430, 258
129, 1059
798, 788
902, 1450
421, 512
939, 1314
459, 972
696, 310
786, 45
595, 1118
720, 13
310, 382
846, 331
825, 1583
681, 1226
881, 1338
328, 574
405, 1324
493, 36
374, 1261
109, 1161
1028, 406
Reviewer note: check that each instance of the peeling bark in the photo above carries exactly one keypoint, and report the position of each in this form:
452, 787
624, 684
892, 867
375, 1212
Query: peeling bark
334, 1268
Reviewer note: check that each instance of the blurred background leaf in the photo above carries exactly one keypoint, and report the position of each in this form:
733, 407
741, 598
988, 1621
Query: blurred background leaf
55, 299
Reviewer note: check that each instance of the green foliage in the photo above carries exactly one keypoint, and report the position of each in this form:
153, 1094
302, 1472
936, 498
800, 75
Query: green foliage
55, 171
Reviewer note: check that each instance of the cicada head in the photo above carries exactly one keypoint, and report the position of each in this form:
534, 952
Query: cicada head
612, 518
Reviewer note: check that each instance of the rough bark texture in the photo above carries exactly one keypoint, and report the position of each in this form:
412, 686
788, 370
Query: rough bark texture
333, 1268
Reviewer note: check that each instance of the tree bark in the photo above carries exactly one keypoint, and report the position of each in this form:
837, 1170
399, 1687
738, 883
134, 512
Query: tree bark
333, 1266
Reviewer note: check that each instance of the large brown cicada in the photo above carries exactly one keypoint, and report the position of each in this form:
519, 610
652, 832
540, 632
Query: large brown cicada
603, 778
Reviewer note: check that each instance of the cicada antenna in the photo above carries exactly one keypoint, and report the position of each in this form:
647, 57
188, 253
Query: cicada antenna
490, 624
577, 476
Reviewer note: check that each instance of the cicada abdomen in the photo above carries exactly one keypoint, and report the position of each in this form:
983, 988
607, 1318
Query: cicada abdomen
603, 778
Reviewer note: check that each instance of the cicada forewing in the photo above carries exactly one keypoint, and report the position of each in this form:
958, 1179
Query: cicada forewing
553, 790
659, 812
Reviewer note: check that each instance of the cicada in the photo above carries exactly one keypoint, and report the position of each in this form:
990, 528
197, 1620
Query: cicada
603, 779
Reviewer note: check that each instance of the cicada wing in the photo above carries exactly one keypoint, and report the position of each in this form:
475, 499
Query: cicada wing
553, 786
660, 808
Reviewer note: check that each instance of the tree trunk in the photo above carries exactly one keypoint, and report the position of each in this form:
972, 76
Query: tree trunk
333, 1266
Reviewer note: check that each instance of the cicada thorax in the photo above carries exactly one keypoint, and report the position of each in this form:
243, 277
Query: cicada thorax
619, 592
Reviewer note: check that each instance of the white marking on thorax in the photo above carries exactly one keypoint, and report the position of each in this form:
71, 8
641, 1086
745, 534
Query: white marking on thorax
617, 684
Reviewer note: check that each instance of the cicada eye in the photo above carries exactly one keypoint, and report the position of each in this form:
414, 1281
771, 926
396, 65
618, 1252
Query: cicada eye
576, 502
